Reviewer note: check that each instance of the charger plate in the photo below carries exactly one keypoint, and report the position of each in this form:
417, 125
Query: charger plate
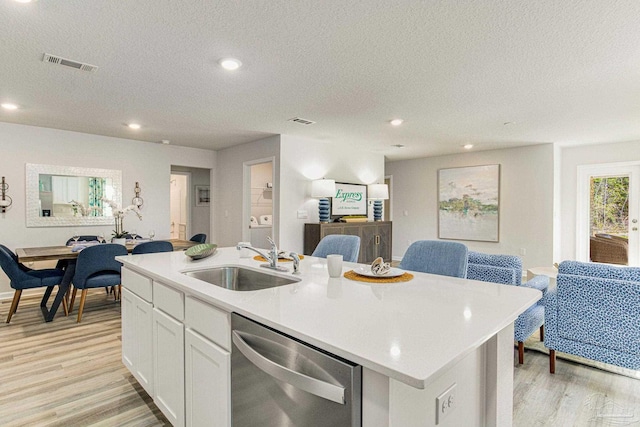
352, 275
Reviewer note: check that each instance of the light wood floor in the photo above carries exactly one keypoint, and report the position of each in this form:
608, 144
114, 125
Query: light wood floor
65, 374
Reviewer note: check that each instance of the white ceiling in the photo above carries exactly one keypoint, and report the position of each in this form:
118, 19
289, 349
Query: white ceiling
563, 71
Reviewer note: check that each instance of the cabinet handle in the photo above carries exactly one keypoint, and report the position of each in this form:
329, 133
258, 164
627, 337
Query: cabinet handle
377, 240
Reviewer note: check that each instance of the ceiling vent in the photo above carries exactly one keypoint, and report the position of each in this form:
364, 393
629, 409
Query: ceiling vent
301, 121
52, 59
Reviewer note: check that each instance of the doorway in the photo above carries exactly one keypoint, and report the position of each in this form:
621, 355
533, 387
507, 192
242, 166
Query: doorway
608, 208
260, 220
179, 196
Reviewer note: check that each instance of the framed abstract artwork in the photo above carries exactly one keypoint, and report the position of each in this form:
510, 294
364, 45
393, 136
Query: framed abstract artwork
202, 195
469, 203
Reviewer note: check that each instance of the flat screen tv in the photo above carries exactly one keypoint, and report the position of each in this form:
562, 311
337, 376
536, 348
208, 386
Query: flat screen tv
350, 199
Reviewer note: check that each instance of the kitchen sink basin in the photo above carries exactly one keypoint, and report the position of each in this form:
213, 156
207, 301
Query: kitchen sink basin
238, 278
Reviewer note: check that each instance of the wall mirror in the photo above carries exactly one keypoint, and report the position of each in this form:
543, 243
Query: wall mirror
59, 196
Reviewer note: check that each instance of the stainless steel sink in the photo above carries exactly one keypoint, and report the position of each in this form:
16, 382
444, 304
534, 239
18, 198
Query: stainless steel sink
238, 278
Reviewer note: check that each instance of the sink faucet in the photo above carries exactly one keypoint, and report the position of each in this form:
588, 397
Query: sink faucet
271, 256
296, 262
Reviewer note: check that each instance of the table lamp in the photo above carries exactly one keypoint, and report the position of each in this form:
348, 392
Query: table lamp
378, 193
323, 188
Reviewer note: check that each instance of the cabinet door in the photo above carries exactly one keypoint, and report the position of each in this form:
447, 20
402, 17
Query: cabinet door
168, 351
137, 338
368, 247
208, 382
384, 246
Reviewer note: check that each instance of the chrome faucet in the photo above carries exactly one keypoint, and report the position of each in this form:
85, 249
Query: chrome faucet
296, 262
271, 256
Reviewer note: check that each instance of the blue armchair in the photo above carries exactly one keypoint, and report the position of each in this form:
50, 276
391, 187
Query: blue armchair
340, 244
436, 257
96, 267
507, 269
22, 277
594, 313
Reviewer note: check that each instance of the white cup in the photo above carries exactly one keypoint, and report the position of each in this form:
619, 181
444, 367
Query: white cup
334, 265
244, 252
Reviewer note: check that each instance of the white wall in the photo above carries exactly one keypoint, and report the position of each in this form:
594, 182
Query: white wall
303, 160
571, 158
147, 163
526, 201
229, 186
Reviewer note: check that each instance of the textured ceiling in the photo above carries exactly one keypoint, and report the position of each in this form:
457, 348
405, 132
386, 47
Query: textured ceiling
562, 71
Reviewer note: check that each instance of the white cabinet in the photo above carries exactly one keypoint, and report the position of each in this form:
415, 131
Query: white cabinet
168, 351
137, 338
208, 382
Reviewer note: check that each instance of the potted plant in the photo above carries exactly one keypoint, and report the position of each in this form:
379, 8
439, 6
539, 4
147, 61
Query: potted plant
118, 215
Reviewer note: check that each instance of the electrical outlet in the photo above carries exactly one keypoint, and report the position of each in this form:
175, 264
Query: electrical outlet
523, 251
302, 214
445, 403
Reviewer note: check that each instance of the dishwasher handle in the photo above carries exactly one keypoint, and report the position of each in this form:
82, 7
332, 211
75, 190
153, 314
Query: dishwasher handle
296, 379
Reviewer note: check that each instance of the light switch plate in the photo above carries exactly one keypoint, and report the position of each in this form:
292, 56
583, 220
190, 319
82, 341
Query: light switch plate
302, 214
445, 403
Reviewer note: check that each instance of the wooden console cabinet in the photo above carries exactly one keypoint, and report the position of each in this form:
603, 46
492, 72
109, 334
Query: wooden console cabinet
375, 237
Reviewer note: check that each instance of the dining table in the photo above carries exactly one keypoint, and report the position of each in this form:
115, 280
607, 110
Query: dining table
49, 253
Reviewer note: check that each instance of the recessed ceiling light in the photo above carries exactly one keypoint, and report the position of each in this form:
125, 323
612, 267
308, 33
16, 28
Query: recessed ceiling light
134, 126
467, 146
230, 64
8, 106
165, 141
396, 122
24, 1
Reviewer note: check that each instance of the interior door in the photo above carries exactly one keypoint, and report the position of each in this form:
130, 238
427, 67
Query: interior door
608, 214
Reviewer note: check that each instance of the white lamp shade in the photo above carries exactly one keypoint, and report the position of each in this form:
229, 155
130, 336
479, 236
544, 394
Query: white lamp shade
323, 188
378, 191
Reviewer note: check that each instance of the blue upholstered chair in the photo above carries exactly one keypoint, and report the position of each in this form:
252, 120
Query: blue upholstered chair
152, 247
507, 269
339, 244
22, 277
96, 267
200, 238
436, 257
594, 312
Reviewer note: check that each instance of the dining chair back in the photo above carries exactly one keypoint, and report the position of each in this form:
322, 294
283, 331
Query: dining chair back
152, 247
22, 277
200, 238
339, 244
436, 257
96, 267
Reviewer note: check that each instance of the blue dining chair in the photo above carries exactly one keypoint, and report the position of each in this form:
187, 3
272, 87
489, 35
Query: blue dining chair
436, 257
22, 277
63, 263
200, 238
96, 267
152, 247
340, 244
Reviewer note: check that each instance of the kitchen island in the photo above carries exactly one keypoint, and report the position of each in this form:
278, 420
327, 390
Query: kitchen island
414, 339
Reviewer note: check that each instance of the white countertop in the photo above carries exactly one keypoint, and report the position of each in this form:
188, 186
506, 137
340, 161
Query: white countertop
408, 331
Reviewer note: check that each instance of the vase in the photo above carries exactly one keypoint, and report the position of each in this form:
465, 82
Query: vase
119, 241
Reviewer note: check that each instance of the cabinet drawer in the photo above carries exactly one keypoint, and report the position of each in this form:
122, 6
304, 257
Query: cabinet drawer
209, 321
138, 284
168, 300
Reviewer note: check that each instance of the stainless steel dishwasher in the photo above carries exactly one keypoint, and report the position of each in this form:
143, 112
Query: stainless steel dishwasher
278, 381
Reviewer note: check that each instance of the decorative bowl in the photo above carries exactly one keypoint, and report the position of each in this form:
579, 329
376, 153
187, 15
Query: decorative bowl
200, 251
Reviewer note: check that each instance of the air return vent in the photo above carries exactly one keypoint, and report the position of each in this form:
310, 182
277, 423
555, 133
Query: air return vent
52, 59
301, 121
